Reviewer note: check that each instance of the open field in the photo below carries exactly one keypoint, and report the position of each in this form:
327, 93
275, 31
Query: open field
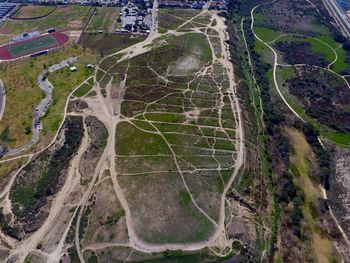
64, 82
180, 19
64, 17
104, 19
27, 11
83, 90
143, 165
178, 133
108, 43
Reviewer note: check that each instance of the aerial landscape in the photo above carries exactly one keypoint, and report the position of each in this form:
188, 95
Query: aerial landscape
174, 131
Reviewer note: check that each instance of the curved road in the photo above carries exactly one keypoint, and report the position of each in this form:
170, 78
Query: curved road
43, 106
339, 15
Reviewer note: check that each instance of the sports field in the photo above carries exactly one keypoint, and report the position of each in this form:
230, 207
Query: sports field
31, 46
64, 17
26, 47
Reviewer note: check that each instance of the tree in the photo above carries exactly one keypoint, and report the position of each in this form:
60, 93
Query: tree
346, 45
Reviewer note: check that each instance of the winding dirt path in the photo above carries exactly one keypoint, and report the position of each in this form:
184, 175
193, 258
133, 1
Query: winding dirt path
101, 108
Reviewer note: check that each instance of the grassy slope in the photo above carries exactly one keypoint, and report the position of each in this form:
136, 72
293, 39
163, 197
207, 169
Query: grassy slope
8, 167
323, 34
131, 141
23, 93
300, 162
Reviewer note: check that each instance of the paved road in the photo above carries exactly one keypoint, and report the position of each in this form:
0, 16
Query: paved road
339, 15
154, 25
2, 99
43, 106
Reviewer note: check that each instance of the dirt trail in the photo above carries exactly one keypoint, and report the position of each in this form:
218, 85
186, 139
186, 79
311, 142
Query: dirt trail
109, 113
219, 237
72, 182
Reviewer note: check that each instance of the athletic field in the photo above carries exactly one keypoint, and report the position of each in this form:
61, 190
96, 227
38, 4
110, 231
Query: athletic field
31, 46
25, 47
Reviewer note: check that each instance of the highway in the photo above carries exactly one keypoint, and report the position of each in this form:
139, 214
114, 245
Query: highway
43, 106
339, 15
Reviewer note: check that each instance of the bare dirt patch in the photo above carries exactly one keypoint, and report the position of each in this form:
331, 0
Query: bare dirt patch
184, 66
106, 222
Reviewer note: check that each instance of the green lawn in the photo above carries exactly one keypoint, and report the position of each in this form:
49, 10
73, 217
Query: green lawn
267, 35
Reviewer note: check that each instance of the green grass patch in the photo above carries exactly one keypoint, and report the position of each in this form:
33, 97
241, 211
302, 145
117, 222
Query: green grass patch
340, 63
83, 90
162, 30
185, 198
266, 34
130, 140
64, 82
166, 117
342, 139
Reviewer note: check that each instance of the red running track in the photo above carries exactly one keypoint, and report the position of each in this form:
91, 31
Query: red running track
59, 36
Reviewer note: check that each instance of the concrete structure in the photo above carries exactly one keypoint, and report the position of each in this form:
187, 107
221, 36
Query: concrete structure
180, 4
135, 19
26, 36
340, 17
6, 9
218, 5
